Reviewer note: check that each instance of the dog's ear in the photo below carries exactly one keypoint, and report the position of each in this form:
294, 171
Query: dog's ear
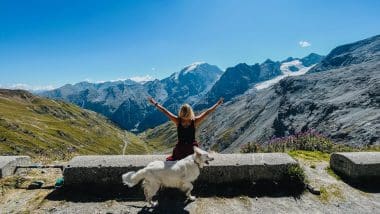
197, 150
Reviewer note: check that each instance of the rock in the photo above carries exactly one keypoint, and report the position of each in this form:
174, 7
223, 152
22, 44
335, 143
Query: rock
36, 184
8, 164
356, 166
226, 168
313, 190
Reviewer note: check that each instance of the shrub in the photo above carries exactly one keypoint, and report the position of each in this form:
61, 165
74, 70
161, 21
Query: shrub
309, 141
296, 175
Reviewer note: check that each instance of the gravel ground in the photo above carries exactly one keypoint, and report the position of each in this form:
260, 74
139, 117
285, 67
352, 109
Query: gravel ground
336, 197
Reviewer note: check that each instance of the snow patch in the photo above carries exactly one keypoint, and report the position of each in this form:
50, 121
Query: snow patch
135, 129
286, 72
192, 66
175, 76
142, 79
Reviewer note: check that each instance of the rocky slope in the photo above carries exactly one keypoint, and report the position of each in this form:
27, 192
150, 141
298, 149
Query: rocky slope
342, 103
338, 98
350, 54
35, 126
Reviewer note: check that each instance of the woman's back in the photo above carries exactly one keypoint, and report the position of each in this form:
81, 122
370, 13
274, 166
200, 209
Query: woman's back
186, 134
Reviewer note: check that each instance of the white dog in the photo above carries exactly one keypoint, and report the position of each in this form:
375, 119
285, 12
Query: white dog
175, 174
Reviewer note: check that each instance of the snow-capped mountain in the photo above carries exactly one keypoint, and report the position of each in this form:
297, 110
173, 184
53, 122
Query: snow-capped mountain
199, 84
238, 79
125, 101
292, 68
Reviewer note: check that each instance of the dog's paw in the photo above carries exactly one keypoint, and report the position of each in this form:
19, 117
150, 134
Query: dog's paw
191, 198
153, 203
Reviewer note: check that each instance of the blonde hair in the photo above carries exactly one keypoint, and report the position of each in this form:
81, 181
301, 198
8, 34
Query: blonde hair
186, 112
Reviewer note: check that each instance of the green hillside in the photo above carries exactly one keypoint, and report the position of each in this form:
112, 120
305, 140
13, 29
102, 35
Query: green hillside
161, 138
39, 127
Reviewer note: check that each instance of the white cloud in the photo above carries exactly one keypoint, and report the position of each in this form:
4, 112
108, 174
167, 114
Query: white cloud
142, 78
27, 87
304, 44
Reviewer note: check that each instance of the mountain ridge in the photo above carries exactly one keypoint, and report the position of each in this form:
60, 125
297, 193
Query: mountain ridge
39, 127
125, 104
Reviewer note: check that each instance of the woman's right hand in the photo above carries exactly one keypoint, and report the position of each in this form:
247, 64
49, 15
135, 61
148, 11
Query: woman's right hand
220, 101
151, 100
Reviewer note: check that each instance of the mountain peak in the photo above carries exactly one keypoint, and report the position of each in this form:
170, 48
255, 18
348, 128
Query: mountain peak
193, 66
313, 55
289, 59
268, 61
312, 59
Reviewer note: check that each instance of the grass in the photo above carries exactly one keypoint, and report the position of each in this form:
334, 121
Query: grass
135, 145
224, 142
310, 156
296, 175
332, 173
39, 127
161, 138
10, 182
330, 192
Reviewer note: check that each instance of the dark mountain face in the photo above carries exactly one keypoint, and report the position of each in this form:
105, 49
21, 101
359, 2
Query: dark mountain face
342, 103
311, 59
269, 69
125, 102
238, 79
350, 54
235, 80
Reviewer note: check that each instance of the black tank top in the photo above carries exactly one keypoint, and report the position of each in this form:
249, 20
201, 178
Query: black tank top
186, 134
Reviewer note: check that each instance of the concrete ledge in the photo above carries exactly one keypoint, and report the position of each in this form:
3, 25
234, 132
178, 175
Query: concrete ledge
356, 165
226, 168
8, 164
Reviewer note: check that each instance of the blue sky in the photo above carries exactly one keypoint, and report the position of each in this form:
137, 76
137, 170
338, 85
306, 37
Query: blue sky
51, 43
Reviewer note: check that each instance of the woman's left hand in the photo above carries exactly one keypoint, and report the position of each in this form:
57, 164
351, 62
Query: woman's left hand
151, 100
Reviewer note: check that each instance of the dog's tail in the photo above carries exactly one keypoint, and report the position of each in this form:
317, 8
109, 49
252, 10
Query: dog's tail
132, 178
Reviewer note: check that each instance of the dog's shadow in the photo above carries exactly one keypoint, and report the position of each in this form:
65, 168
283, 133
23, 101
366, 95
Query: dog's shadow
169, 200
172, 200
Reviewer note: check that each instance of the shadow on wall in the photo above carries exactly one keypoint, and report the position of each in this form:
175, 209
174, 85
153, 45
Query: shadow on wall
368, 185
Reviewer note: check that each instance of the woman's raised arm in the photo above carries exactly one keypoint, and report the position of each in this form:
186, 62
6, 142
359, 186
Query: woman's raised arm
203, 115
170, 115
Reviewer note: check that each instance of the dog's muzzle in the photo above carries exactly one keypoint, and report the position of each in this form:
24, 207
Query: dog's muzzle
207, 161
